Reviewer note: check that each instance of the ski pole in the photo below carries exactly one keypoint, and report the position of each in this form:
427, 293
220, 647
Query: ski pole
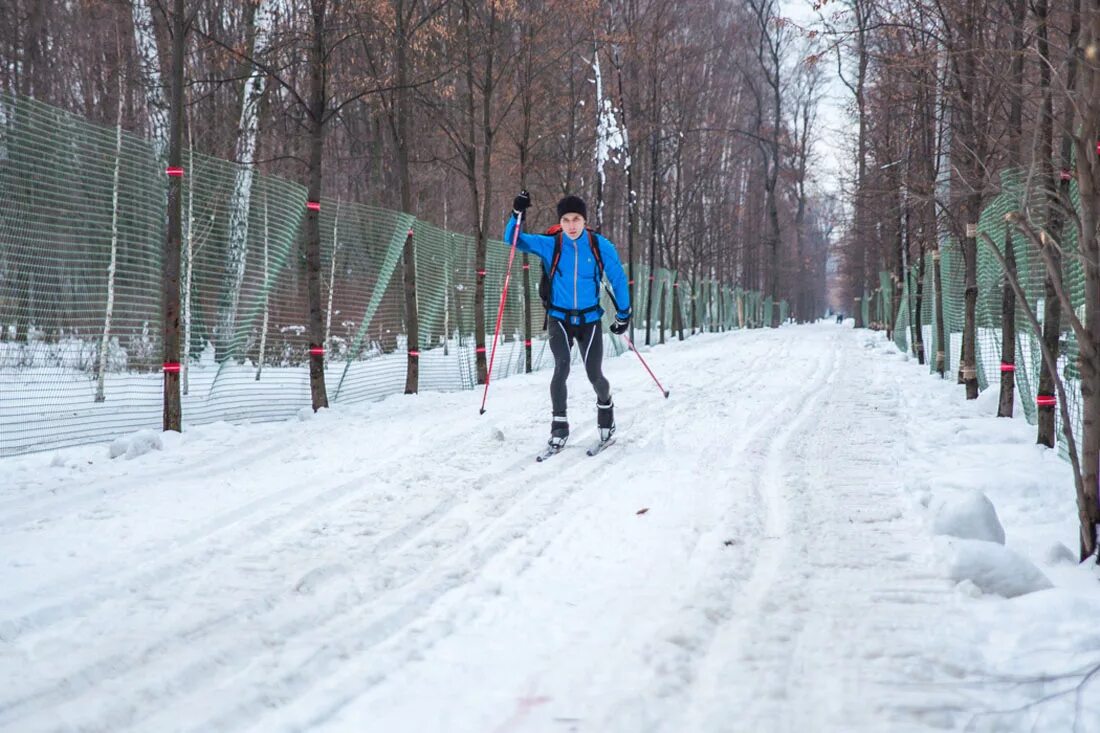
630, 343
500, 310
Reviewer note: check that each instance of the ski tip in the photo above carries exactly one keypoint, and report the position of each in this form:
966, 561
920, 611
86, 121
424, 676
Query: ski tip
482, 410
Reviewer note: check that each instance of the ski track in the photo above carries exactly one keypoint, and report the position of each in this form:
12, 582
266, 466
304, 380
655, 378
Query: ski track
339, 596
832, 530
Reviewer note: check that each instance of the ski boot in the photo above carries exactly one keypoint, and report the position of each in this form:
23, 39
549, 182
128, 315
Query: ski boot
559, 431
605, 419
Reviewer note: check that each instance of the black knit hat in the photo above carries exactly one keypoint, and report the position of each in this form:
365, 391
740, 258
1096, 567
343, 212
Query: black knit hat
572, 205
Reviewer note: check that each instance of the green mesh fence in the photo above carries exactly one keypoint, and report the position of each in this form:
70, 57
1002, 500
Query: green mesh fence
81, 238
1031, 273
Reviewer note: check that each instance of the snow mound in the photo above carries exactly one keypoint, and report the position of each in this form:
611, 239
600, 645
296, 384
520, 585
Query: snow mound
136, 444
995, 569
968, 515
1059, 554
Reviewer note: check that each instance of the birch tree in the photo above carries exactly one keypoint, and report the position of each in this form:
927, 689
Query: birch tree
112, 266
262, 21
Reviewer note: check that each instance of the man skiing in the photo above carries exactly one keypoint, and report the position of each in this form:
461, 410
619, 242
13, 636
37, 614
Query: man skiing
575, 261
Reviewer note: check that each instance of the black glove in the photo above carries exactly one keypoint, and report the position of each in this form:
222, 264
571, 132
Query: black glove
522, 202
620, 325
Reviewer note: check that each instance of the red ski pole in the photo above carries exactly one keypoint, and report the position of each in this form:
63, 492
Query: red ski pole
630, 343
500, 310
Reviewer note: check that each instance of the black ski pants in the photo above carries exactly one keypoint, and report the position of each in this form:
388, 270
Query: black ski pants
589, 338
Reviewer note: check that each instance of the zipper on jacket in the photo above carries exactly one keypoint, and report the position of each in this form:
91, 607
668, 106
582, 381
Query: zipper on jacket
576, 267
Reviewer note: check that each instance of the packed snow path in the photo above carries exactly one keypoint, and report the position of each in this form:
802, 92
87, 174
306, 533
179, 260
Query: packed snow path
745, 558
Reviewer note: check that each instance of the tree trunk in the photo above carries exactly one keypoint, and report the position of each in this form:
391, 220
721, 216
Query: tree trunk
400, 120
112, 266
1052, 310
172, 418
970, 329
267, 297
262, 19
1008, 333
1006, 400
941, 335
1088, 179
631, 197
316, 126
918, 308
654, 215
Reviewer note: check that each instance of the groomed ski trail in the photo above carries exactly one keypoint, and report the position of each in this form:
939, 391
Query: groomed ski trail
407, 566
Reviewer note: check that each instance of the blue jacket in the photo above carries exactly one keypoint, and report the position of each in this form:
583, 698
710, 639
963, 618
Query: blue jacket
575, 285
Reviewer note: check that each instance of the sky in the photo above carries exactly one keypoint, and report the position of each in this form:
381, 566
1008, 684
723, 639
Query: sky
830, 148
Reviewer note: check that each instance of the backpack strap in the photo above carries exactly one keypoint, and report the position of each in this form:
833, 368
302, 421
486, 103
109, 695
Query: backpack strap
557, 256
595, 245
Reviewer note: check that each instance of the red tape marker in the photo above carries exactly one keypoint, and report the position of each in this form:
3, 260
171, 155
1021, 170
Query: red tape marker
1066, 175
1046, 400
526, 267
171, 366
414, 353
317, 351
480, 349
175, 171
481, 273
313, 205
527, 342
1006, 367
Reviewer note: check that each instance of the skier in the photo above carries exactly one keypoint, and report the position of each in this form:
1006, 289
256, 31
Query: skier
575, 261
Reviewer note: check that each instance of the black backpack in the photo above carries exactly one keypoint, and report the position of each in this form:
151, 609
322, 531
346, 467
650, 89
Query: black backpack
544, 284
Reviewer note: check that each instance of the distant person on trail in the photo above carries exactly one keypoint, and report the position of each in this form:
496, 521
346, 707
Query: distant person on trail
575, 260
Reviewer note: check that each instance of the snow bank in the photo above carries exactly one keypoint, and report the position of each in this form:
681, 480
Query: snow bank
993, 568
967, 515
138, 444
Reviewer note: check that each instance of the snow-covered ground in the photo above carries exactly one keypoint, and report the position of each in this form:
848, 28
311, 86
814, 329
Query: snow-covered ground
807, 536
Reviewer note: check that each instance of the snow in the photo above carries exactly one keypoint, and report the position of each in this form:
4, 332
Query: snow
993, 568
137, 444
969, 515
405, 565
